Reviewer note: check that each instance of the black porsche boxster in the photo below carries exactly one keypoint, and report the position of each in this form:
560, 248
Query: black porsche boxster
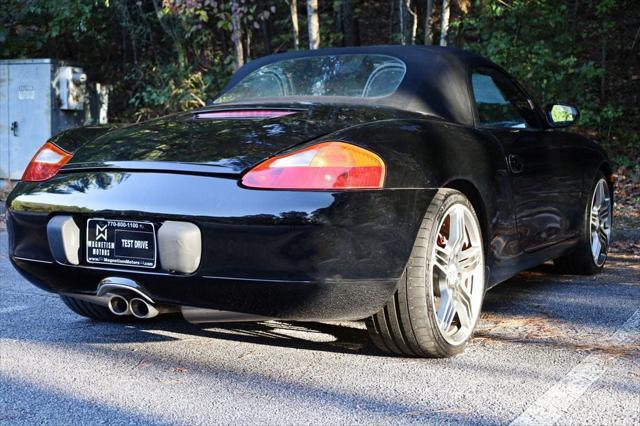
392, 184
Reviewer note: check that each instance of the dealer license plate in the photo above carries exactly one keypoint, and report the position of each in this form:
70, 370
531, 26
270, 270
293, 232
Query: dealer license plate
121, 242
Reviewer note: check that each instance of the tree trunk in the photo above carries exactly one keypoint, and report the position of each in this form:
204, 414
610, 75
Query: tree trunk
293, 7
247, 45
348, 24
313, 23
266, 36
414, 21
427, 22
402, 15
603, 66
236, 35
444, 26
408, 22
571, 20
392, 9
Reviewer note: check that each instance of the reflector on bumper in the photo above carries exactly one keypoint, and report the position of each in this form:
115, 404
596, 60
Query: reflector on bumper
180, 246
64, 239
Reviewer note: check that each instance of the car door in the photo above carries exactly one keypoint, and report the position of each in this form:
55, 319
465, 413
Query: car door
545, 179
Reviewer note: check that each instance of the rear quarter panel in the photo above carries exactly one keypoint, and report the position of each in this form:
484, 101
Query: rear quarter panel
431, 153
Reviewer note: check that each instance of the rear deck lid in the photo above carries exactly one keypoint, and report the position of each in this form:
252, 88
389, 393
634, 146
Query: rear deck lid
219, 140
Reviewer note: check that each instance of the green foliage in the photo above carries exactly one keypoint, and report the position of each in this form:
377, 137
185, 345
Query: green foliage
538, 49
558, 54
171, 88
32, 26
162, 56
159, 56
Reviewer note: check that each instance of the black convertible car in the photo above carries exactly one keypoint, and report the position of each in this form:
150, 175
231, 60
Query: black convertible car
395, 184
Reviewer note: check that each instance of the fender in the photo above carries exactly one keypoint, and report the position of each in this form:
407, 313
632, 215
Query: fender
420, 153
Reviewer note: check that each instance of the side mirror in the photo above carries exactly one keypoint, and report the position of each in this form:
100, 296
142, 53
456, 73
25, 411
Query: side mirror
559, 115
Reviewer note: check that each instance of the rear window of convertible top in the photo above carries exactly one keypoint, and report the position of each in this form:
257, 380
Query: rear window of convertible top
354, 76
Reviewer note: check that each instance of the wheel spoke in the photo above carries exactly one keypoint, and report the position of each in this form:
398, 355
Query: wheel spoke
446, 310
602, 236
604, 241
595, 245
603, 213
441, 259
469, 259
464, 307
456, 229
599, 194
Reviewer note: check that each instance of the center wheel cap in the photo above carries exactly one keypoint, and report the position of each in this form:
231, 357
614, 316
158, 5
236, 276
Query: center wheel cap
453, 275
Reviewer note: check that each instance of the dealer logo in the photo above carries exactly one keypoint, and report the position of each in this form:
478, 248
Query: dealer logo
101, 232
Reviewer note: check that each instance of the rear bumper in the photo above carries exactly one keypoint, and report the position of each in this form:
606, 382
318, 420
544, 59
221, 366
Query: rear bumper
284, 254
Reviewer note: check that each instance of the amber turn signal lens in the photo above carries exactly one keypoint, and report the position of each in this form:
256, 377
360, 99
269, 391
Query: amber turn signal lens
327, 165
46, 163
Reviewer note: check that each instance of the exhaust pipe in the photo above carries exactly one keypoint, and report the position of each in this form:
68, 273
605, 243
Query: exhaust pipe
118, 305
123, 296
142, 309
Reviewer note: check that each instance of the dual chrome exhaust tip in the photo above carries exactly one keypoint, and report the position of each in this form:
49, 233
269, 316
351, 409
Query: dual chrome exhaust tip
123, 296
118, 305
136, 306
141, 309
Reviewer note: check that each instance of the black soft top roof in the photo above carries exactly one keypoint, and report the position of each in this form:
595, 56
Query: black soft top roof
436, 81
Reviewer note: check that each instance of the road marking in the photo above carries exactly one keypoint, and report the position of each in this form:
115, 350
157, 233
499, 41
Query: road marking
551, 406
12, 309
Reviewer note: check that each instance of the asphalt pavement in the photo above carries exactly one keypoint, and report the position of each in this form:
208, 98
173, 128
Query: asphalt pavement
549, 349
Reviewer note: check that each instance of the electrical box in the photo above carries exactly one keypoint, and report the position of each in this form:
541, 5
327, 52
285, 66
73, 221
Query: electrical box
39, 98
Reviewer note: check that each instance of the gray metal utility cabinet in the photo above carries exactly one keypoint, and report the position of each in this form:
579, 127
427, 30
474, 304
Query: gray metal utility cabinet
39, 98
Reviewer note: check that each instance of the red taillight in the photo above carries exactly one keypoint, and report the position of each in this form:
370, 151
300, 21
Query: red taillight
46, 163
327, 165
243, 113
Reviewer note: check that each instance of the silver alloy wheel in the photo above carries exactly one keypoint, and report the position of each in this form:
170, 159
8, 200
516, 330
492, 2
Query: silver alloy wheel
600, 222
457, 271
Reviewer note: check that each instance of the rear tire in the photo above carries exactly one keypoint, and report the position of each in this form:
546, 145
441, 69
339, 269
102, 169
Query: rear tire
590, 255
439, 297
91, 310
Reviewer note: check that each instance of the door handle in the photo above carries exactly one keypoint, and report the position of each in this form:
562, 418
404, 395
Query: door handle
14, 128
515, 163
